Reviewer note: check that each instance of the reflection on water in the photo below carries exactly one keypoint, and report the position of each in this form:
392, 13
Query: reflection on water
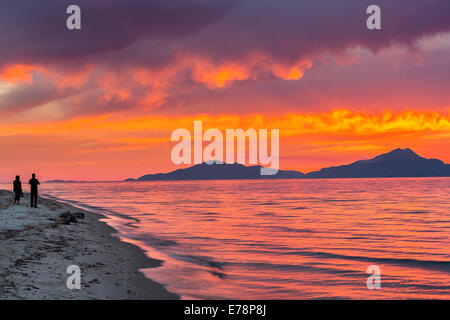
298, 239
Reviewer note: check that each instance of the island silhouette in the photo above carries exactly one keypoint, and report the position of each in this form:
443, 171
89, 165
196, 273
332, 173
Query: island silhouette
396, 163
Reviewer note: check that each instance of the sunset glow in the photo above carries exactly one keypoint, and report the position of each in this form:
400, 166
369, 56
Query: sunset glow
330, 138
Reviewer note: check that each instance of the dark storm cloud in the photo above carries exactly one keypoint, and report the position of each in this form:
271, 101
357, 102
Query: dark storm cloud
287, 30
35, 32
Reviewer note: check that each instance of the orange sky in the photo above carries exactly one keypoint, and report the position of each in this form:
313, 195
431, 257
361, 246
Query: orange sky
117, 147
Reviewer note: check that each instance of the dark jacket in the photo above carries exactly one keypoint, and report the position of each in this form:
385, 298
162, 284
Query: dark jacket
17, 186
34, 185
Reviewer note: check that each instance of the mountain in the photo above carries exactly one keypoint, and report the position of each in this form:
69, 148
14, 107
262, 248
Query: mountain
397, 163
215, 171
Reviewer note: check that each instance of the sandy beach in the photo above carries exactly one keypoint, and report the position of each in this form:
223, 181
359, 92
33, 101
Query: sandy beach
37, 246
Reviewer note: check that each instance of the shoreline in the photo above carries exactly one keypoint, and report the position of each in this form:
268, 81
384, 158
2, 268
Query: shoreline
38, 246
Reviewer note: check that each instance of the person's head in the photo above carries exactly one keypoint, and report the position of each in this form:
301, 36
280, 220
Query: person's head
17, 178
33, 175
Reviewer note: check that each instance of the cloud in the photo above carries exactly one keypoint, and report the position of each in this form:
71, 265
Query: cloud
143, 54
36, 31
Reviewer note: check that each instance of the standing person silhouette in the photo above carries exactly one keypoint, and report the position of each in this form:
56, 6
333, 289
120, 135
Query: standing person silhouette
17, 187
33, 190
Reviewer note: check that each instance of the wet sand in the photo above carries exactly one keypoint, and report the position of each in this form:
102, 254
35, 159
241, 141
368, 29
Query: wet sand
37, 246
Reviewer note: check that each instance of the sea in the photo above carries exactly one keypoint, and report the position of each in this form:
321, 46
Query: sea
282, 239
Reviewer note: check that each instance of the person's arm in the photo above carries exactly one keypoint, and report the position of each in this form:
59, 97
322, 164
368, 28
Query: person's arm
38, 182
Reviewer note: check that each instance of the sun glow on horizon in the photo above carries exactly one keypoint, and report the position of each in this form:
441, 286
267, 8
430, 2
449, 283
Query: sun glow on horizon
308, 141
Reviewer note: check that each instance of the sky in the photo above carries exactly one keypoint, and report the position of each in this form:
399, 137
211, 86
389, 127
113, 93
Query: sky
101, 103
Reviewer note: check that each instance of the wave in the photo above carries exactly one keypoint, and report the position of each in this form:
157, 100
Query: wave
199, 260
425, 264
92, 208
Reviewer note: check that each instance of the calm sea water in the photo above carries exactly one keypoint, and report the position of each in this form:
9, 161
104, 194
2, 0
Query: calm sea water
277, 239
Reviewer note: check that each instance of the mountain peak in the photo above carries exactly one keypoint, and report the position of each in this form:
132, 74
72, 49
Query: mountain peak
396, 163
398, 154
404, 151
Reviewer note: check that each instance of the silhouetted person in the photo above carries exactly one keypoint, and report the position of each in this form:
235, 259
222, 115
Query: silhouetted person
17, 190
33, 190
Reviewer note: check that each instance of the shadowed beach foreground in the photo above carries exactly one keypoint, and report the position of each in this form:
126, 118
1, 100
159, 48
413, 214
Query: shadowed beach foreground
37, 247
